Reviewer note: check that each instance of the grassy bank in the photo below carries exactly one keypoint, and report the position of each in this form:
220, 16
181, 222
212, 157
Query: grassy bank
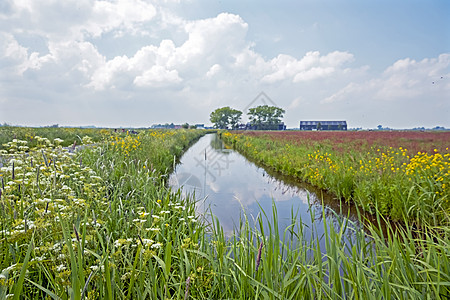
101, 224
84, 224
399, 183
68, 135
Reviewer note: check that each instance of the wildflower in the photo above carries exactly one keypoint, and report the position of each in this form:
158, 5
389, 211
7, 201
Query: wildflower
147, 242
143, 214
156, 246
118, 243
93, 268
39, 258
125, 276
60, 268
58, 141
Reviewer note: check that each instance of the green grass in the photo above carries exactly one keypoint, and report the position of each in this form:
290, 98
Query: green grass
394, 182
69, 135
102, 224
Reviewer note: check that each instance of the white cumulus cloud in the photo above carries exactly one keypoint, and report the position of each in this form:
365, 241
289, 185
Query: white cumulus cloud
310, 67
13, 56
157, 76
76, 19
405, 79
213, 70
209, 42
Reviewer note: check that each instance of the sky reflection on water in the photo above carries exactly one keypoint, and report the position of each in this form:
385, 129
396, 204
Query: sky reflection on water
225, 184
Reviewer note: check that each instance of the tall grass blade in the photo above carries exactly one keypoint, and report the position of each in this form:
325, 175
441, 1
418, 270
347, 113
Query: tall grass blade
23, 270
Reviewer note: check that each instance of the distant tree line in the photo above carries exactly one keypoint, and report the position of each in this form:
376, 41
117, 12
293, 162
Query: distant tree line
263, 117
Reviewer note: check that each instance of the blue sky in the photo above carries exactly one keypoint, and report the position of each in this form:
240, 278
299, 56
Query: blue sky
136, 62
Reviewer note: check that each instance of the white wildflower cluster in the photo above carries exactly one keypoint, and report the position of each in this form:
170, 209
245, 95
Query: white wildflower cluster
176, 209
15, 146
156, 246
47, 189
139, 221
61, 268
58, 141
123, 242
144, 214
86, 140
148, 242
177, 206
97, 268
41, 188
42, 142
39, 258
129, 242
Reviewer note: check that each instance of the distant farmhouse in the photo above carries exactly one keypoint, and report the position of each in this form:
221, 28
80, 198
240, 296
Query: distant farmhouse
323, 125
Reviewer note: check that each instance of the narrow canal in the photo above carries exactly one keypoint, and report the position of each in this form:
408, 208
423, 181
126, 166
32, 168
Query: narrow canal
227, 185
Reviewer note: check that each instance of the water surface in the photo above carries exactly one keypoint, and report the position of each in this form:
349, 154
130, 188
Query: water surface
226, 184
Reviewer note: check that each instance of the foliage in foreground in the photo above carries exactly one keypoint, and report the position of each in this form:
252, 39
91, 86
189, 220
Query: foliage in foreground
396, 182
31, 135
102, 224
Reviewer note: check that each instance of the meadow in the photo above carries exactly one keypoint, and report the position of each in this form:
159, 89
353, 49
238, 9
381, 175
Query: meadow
402, 175
68, 135
101, 223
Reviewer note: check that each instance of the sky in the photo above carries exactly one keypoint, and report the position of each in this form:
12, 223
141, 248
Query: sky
134, 63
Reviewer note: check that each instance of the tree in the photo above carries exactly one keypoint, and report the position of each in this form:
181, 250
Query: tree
224, 117
319, 126
185, 126
266, 117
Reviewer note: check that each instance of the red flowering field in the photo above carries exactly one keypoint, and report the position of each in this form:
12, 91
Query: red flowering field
414, 141
402, 174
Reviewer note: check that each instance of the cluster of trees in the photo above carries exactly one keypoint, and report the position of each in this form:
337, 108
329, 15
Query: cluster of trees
187, 126
263, 117
225, 118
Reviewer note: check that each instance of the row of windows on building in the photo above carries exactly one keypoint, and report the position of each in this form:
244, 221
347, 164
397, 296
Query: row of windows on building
323, 125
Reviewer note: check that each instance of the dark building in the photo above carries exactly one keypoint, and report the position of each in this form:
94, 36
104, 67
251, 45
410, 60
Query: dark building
323, 125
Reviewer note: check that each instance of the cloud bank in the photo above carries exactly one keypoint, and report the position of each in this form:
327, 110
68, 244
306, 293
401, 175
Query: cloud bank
180, 70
